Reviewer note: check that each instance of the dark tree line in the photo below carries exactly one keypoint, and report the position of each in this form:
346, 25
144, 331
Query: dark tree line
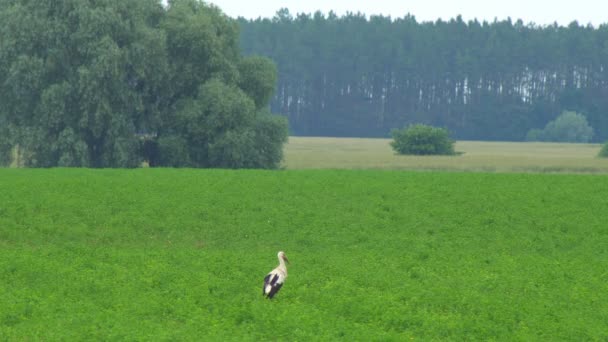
105, 83
359, 76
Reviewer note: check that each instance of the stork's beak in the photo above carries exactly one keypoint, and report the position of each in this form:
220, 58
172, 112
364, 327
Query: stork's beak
285, 258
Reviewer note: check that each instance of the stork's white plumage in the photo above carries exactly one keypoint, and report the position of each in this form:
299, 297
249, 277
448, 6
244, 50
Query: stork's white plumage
275, 279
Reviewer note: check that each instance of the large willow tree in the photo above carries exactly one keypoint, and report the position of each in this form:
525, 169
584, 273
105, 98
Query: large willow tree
112, 83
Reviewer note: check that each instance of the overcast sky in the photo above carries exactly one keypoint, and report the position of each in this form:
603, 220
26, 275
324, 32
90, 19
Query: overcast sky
541, 12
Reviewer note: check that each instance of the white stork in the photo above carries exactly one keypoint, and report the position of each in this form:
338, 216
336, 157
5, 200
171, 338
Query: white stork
275, 279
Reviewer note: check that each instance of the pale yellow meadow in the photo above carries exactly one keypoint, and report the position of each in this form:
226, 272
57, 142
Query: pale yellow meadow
364, 153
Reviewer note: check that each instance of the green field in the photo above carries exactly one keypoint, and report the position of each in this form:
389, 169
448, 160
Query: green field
358, 153
169, 254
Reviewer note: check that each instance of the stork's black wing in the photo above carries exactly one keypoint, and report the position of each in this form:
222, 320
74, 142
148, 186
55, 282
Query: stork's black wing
271, 280
266, 281
274, 289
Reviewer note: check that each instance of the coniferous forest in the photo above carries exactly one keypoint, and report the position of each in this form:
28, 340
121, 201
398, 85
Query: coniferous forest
354, 75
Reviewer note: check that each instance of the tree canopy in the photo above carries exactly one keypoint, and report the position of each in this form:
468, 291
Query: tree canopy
354, 75
111, 83
568, 127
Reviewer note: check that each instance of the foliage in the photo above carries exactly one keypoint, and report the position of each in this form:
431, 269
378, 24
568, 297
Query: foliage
170, 150
358, 76
258, 77
604, 151
103, 255
217, 111
535, 134
84, 81
422, 140
257, 147
568, 127
5, 154
75, 76
5, 146
268, 130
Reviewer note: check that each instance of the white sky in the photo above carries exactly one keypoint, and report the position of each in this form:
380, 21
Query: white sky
542, 12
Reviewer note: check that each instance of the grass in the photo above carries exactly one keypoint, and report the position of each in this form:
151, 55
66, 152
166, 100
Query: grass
359, 153
167, 254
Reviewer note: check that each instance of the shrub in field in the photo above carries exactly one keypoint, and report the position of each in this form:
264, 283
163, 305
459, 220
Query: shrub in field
422, 139
604, 151
568, 127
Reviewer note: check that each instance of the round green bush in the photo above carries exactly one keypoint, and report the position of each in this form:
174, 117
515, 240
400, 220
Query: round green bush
422, 139
568, 127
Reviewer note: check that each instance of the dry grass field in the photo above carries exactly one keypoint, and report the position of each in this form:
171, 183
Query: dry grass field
360, 153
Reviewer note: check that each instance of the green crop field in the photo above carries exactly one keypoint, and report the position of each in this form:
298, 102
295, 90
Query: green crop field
358, 153
170, 254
